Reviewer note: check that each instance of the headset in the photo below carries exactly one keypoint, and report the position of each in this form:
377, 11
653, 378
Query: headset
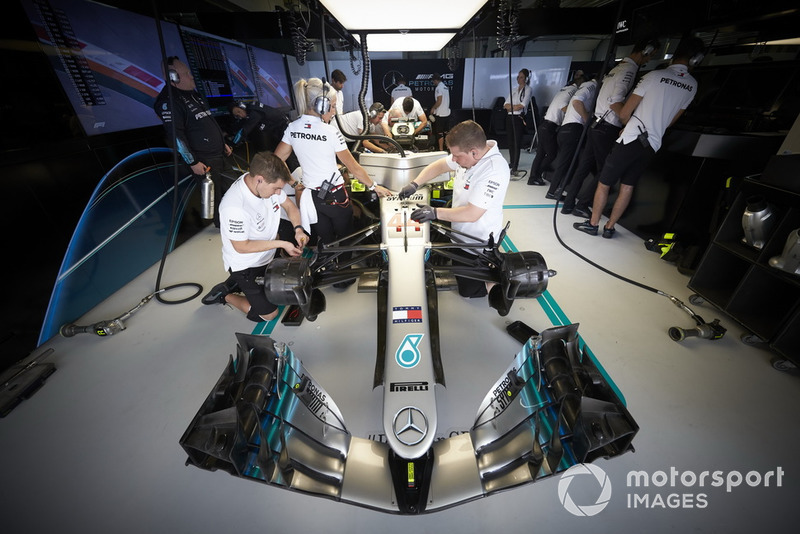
696, 59
172, 74
322, 104
527, 76
376, 109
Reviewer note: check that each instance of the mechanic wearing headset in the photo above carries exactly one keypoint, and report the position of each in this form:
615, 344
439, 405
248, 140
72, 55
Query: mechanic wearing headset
516, 106
352, 124
324, 204
658, 100
604, 132
479, 189
250, 215
199, 139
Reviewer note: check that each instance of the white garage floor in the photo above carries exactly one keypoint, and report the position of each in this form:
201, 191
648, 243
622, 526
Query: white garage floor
96, 449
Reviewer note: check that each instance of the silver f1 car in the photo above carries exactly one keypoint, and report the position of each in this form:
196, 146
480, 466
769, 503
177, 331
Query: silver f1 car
268, 420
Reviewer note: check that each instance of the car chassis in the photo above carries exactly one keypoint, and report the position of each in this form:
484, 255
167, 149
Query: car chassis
267, 419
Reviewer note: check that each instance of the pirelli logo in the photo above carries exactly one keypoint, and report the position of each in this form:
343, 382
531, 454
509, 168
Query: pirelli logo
408, 386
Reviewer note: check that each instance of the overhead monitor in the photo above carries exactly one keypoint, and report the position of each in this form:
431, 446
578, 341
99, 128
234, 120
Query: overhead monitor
109, 70
272, 81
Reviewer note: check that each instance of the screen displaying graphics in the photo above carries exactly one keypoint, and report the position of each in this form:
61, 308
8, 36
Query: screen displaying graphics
272, 83
110, 71
220, 68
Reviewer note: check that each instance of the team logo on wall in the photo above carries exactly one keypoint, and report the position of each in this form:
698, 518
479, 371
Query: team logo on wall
407, 354
410, 425
390, 80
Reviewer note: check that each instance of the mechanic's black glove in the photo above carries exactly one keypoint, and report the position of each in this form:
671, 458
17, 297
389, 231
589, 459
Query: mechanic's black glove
424, 213
408, 190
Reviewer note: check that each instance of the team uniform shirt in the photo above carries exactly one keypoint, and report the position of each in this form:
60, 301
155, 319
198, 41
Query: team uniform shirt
615, 88
198, 136
353, 124
560, 100
415, 114
339, 102
400, 92
519, 96
664, 93
586, 93
315, 144
244, 216
484, 185
444, 108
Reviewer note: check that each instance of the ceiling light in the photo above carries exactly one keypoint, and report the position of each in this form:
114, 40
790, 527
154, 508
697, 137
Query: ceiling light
407, 42
411, 14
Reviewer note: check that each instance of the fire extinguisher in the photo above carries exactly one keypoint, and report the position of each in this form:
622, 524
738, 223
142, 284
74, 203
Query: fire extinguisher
207, 196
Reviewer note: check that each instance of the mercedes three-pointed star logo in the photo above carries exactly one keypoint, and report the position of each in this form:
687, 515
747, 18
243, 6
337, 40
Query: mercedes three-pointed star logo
410, 425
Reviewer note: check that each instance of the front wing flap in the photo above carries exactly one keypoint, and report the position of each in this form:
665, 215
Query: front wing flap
268, 420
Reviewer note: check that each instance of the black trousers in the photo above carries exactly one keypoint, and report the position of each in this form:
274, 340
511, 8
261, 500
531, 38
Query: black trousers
515, 128
547, 150
599, 142
569, 136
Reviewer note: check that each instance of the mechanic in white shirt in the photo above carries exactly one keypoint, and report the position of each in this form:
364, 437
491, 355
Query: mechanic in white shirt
440, 111
578, 113
400, 91
337, 81
352, 124
479, 189
407, 109
547, 147
615, 88
250, 214
657, 102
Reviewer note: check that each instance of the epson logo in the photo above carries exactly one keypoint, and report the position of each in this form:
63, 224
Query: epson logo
408, 386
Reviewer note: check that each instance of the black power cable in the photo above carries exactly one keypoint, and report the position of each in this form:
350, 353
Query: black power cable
175, 196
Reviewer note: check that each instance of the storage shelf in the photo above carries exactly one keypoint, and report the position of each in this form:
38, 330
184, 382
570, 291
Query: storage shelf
738, 279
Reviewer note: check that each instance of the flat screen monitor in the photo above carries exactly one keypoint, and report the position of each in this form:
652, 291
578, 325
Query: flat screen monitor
107, 60
272, 82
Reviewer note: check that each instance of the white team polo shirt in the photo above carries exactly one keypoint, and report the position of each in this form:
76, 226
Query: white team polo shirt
615, 88
560, 100
244, 216
586, 93
664, 92
484, 185
315, 144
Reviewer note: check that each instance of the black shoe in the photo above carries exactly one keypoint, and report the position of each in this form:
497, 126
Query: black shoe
553, 196
550, 195
608, 233
566, 210
586, 227
217, 294
536, 181
581, 212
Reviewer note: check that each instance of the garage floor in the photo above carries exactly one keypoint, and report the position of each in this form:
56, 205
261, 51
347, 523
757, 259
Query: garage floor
96, 449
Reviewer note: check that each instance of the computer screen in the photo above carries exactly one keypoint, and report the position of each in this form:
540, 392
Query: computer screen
272, 82
110, 71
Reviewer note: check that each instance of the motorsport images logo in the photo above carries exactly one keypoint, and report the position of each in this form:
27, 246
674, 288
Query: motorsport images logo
584, 472
662, 489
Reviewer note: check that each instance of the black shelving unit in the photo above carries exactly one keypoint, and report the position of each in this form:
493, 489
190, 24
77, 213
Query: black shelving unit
738, 279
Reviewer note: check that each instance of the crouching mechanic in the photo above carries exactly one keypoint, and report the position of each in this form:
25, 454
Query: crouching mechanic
479, 189
250, 215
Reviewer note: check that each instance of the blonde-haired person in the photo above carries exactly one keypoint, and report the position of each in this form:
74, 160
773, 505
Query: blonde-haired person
318, 145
